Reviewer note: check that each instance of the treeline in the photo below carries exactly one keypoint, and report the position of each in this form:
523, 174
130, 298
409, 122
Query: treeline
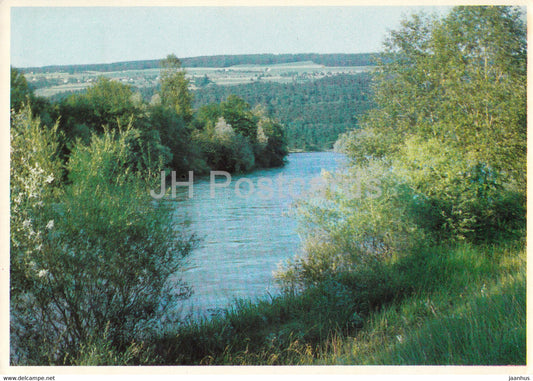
359, 59
229, 135
314, 113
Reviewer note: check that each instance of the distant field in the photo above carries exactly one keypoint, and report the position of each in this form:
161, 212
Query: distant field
49, 84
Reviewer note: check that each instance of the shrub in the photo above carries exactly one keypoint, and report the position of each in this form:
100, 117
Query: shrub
357, 220
100, 258
34, 175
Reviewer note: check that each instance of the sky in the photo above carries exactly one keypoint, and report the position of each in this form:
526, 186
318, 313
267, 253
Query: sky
43, 36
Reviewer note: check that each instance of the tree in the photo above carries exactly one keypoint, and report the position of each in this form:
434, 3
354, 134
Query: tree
176, 136
224, 148
110, 102
445, 148
175, 87
20, 91
451, 113
22, 95
236, 138
106, 103
238, 113
460, 80
271, 146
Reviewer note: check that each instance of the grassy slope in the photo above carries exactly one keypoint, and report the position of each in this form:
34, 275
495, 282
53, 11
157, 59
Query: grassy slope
458, 305
469, 308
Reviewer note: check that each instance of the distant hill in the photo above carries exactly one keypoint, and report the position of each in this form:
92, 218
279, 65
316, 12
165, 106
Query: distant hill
222, 61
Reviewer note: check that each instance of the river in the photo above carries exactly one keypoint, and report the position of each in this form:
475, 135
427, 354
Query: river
246, 233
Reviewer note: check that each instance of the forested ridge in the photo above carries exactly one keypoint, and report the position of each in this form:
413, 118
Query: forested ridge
359, 59
314, 113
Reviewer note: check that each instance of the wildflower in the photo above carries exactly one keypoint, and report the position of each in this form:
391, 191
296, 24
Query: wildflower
49, 179
26, 223
50, 224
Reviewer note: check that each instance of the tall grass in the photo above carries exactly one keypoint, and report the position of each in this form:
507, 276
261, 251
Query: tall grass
472, 317
443, 305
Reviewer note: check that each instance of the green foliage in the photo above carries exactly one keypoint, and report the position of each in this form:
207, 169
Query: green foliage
449, 123
239, 115
225, 149
359, 218
174, 134
35, 174
462, 83
69, 245
466, 200
271, 147
174, 87
110, 102
21, 95
235, 138
106, 103
20, 91
314, 113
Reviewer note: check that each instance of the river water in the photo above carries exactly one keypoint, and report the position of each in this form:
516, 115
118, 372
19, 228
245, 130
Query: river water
246, 233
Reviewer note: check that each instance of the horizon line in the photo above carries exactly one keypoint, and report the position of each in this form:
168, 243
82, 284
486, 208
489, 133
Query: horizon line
186, 58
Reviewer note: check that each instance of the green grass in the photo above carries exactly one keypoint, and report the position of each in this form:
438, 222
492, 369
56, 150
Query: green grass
468, 308
445, 305
266, 332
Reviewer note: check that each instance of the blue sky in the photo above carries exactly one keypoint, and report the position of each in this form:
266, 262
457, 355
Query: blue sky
81, 35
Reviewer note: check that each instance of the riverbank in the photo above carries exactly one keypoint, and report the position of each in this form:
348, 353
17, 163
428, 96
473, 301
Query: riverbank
460, 305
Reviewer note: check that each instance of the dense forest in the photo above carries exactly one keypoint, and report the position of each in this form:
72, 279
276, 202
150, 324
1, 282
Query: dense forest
314, 113
360, 59
428, 270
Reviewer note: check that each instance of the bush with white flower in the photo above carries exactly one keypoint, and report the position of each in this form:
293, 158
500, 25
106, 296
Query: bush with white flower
93, 259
